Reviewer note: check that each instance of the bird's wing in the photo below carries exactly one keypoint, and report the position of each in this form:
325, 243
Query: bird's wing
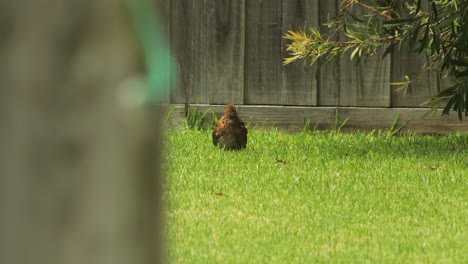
218, 131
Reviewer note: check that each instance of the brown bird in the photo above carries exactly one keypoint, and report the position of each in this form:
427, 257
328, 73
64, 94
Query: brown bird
230, 132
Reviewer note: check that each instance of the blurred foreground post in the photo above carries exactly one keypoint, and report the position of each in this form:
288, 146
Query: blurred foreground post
79, 156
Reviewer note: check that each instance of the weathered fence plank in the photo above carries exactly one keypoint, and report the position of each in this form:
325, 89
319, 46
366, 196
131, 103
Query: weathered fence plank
182, 34
347, 84
366, 84
294, 118
208, 37
299, 86
263, 52
405, 62
367, 119
227, 53
329, 78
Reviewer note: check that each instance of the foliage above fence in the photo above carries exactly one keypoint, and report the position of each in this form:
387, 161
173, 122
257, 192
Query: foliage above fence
436, 31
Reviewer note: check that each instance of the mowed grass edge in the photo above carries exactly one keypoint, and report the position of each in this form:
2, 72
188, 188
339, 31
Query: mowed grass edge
317, 197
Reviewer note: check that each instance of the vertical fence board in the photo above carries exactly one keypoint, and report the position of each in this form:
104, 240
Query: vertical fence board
182, 32
263, 52
344, 83
208, 37
189, 30
328, 83
224, 51
404, 62
299, 86
366, 84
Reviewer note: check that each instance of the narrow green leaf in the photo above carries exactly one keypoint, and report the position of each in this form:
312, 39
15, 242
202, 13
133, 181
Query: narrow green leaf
343, 124
449, 105
415, 33
398, 83
356, 18
337, 118
397, 22
459, 63
434, 9
438, 82
418, 6
459, 105
424, 40
436, 44
355, 51
447, 21
449, 91
402, 126
395, 121
389, 49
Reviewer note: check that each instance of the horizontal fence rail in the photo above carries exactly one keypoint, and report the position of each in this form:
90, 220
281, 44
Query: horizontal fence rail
298, 118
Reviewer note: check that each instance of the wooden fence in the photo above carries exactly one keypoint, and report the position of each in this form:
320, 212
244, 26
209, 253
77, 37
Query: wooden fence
232, 51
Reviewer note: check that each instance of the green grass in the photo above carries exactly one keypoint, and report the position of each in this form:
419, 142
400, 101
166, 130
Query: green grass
317, 198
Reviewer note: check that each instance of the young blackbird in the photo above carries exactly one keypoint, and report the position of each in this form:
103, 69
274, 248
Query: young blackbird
230, 132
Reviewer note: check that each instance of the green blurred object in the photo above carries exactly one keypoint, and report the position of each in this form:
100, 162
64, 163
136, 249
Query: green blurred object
158, 57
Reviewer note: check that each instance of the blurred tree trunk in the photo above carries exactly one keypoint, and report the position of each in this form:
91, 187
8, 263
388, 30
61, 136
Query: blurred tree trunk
79, 165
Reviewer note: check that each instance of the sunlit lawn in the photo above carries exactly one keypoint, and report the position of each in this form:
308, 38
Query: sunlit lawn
317, 197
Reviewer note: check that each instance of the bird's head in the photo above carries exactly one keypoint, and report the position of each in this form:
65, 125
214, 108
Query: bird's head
230, 110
